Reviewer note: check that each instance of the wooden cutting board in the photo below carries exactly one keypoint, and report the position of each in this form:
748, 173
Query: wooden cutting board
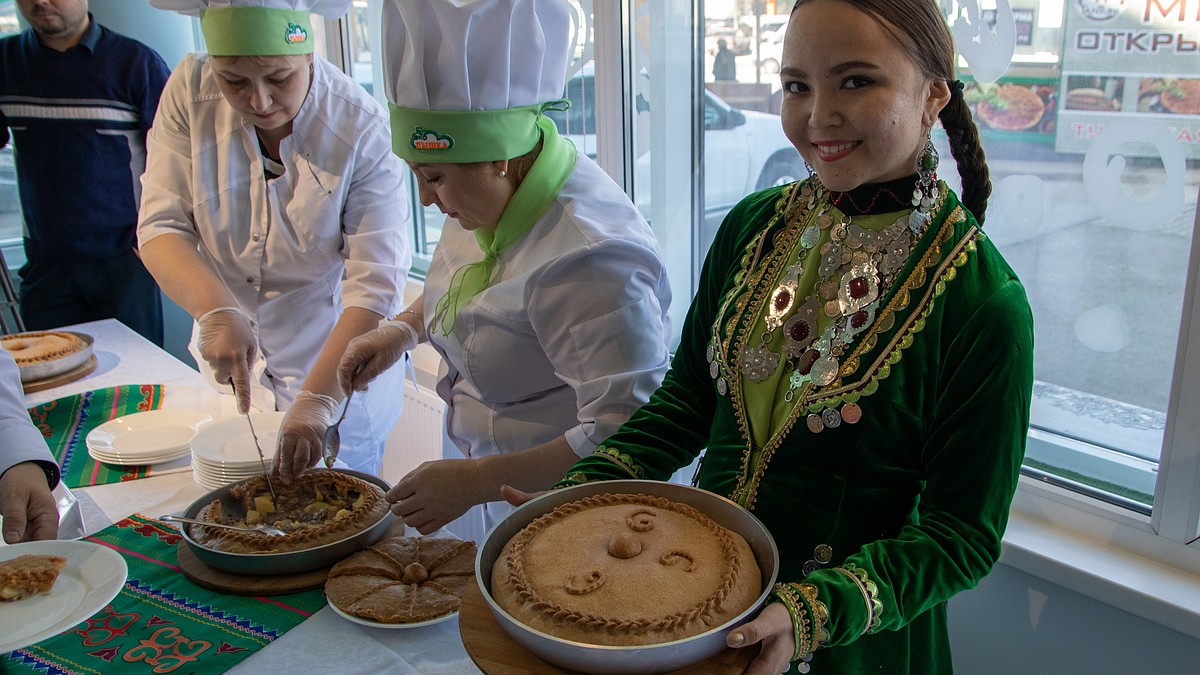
71, 375
498, 654
244, 584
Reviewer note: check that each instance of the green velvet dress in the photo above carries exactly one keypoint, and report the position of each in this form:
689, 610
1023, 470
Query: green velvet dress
911, 479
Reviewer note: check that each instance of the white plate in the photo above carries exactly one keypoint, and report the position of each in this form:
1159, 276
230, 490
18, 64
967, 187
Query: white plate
147, 434
92, 577
376, 624
229, 441
139, 460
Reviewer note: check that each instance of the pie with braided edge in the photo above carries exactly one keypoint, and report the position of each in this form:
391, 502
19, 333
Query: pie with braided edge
43, 347
403, 579
318, 508
625, 570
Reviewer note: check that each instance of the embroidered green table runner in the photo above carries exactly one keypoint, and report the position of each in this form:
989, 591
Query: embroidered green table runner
161, 622
65, 422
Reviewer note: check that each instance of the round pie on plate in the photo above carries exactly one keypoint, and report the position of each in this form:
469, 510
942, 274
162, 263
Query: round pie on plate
403, 579
30, 348
625, 570
318, 508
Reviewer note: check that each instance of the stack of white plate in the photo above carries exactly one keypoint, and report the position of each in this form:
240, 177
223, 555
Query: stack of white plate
224, 452
150, 437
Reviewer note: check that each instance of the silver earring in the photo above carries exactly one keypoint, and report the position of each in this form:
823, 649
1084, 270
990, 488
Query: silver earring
809, 169
925, 192
503, 173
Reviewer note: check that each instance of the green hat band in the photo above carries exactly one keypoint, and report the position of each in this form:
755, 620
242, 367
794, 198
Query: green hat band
256, 31
460, 136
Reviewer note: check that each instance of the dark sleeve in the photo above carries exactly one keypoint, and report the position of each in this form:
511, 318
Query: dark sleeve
154, 79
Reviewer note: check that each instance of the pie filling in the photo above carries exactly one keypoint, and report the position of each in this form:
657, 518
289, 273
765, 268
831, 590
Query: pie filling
318, 508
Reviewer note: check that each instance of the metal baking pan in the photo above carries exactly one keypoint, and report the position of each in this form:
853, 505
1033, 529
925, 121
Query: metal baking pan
602, 659
272, 564
45, 370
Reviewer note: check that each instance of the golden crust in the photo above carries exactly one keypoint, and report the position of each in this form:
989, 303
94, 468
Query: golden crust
28, 575
403, 579
625, 569
30, 348
318, 508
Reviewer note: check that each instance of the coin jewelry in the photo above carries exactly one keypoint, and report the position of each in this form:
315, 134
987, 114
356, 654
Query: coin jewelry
855, 268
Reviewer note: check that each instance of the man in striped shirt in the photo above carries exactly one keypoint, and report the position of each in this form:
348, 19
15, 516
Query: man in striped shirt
79, 100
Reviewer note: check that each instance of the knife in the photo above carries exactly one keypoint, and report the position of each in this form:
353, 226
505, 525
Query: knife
261, 460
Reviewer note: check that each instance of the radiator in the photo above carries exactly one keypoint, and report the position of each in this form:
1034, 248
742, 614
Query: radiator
417, 437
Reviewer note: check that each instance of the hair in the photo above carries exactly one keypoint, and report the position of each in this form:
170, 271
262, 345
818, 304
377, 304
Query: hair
921, 31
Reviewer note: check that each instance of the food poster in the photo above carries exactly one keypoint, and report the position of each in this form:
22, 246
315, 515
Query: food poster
1021, 109
1130, 60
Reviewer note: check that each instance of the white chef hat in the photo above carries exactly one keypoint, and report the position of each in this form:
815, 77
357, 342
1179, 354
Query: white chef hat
468, 79
256, 27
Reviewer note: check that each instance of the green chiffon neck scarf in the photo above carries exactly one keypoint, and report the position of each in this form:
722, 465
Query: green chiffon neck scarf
535, 194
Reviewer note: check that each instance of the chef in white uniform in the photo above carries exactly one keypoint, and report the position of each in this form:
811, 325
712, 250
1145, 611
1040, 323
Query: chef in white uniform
547, 297
275, 213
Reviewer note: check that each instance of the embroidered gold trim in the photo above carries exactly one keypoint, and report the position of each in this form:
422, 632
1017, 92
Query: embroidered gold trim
620, 459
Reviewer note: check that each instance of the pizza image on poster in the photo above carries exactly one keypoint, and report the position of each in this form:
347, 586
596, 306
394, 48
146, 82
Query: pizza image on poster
1181, 97
1006, 107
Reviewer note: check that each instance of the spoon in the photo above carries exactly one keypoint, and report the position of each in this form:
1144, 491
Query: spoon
332, 442
265, 529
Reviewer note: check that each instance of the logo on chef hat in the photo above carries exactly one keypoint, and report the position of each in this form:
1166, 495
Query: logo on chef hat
428, 139
295, 34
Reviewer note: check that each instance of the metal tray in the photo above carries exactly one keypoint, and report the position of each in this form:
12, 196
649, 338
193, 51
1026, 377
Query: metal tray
602, 659
271, 564
44, 370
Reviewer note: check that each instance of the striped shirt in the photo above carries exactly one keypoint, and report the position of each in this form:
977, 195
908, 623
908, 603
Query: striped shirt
78, 121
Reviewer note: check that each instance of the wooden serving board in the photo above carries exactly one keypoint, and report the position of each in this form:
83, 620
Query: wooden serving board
498, 654
245, 584
71, 375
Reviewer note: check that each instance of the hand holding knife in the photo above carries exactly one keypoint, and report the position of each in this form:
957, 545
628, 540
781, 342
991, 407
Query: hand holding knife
257, 446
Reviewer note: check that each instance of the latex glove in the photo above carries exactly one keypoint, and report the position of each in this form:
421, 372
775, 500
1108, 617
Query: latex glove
227, 343
302, 433
28, 507
435, 493
371, 353
773, 629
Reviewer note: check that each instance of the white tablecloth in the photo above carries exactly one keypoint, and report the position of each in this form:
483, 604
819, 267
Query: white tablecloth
325, 641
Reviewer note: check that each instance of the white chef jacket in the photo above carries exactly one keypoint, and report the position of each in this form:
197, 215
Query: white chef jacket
329, 233
570, 338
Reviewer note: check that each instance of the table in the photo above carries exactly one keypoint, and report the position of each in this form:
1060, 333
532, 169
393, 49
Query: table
124, 357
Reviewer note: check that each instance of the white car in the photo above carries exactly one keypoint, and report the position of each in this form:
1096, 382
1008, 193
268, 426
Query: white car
744, 150
770, 53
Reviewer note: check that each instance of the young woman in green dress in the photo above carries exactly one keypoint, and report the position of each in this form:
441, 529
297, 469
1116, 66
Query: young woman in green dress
857, 363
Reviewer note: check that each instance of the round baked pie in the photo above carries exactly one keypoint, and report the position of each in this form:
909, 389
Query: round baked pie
403, 579
30, 348
624, 570
318, 508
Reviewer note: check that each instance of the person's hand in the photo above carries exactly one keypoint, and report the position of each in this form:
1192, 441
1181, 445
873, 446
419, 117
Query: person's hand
435, 493
371, 353
773, 629
226, 341
27, 505
516, 497
302, 434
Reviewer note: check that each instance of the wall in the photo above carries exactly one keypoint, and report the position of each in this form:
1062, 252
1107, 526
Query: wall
1017, 623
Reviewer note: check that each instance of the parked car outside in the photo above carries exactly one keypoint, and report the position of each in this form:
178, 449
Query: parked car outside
770, 53
744, 150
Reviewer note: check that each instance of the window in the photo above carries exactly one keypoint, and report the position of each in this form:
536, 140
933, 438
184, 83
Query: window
1090, 117
10, 203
